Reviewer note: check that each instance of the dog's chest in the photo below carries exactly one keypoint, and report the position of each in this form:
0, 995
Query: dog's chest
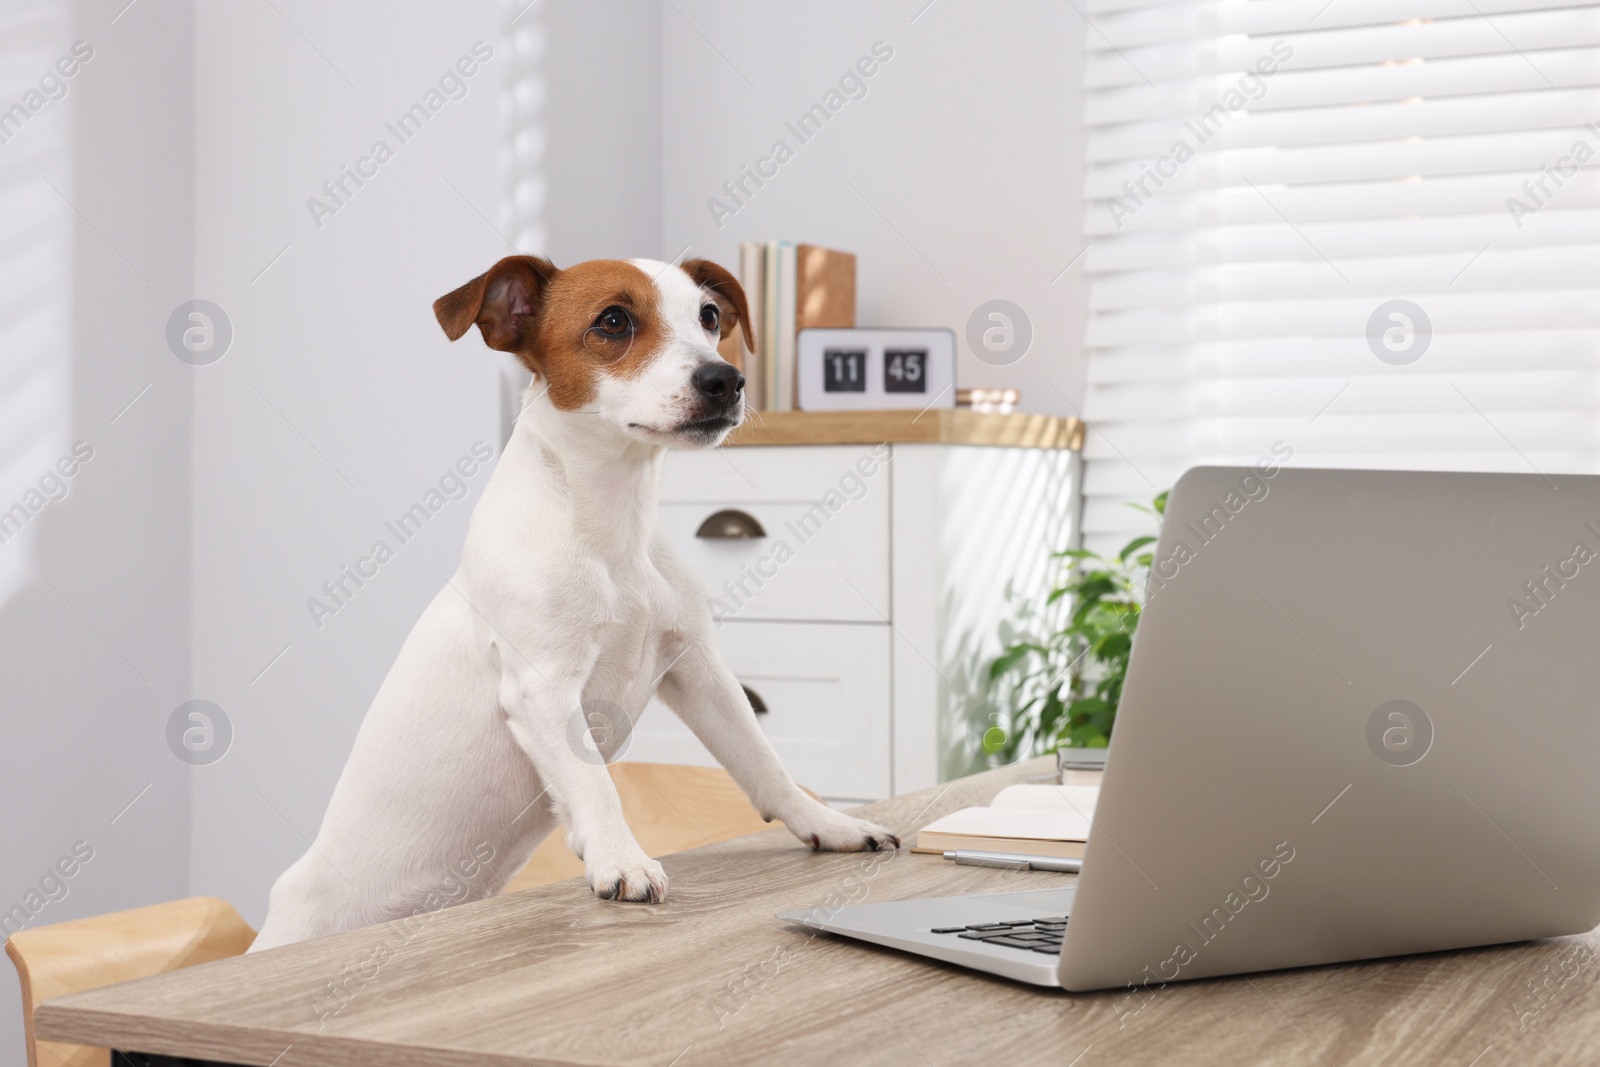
637, 627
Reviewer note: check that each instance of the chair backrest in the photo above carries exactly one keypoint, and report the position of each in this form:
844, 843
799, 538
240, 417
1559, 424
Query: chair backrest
70, 957
669, 807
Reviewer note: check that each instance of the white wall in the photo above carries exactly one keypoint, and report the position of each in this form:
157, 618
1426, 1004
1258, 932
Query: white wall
602, 71
341, 403
94, 592
965, 156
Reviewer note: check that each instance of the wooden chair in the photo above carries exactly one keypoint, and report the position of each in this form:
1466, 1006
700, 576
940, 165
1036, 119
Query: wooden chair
70, 957
669, 808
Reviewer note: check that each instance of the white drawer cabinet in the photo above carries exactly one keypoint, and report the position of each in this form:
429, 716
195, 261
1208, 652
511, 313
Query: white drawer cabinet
801, 559
862, 582
822, 694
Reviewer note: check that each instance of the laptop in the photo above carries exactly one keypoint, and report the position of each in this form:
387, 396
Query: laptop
1361, 720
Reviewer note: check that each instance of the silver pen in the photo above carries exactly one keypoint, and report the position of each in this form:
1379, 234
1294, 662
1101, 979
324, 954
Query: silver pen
1014, 861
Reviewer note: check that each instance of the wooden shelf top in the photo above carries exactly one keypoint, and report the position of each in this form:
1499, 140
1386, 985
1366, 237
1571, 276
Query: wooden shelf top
943, 426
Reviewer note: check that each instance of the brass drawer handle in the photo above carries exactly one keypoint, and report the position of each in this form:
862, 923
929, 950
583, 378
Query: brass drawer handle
730, 525
757, 705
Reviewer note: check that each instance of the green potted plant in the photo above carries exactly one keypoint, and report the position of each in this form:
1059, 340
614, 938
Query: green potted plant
1062, 690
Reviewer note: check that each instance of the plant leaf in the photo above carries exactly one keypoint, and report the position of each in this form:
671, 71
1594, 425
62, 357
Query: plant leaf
1010, 658
1133, 546
1064, 688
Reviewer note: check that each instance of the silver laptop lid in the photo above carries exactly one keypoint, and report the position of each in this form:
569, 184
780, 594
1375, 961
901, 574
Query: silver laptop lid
1362, 718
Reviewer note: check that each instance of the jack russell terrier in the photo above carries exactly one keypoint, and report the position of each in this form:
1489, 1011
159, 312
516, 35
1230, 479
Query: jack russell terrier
569, 596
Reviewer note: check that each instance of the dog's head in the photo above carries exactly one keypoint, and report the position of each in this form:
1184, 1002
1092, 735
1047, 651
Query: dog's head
631, 341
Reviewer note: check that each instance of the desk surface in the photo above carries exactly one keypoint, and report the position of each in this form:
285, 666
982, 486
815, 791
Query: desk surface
553, 976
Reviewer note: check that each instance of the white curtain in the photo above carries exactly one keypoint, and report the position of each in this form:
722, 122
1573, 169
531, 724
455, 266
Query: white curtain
1363, 228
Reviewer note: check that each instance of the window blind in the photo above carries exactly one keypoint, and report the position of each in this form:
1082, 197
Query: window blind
1364, 228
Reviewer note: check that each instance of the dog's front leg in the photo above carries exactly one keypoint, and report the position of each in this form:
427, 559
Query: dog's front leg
711, 702
546, 719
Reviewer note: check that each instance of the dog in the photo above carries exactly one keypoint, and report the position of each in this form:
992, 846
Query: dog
569, 604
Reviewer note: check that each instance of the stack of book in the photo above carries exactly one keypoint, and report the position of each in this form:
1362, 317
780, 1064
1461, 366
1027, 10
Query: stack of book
790, 287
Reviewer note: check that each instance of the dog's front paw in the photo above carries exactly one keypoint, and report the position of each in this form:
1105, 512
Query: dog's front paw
639, 879
826, 830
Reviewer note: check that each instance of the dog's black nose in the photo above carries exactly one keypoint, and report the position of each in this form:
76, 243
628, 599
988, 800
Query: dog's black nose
719, 382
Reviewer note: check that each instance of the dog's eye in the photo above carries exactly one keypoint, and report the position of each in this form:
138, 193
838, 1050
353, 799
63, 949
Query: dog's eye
710, 318
614, 322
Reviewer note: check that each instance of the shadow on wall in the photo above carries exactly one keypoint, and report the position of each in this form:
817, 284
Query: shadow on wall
525, 144
1022, 510
94, 481
566, 199
975, 707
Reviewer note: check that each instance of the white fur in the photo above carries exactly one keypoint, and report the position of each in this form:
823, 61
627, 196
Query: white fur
568, 595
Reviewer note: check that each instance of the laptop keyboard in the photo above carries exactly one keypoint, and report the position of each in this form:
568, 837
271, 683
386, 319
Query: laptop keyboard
1031, 935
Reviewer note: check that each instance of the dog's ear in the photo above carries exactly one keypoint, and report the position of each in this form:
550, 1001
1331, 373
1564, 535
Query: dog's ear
502, 301
729, 295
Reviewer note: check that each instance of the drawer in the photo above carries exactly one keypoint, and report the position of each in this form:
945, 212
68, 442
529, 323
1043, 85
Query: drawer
826, 690
803, 532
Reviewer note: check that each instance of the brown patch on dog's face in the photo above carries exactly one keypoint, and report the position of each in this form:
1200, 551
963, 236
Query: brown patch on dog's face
728, 294
633, 343
600, 317
567, 326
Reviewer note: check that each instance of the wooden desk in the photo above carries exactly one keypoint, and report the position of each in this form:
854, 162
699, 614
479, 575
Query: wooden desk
554, 976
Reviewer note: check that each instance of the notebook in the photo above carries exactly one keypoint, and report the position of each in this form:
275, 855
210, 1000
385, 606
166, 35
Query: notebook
753, 278
785, 305
825, 288
1039, 820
